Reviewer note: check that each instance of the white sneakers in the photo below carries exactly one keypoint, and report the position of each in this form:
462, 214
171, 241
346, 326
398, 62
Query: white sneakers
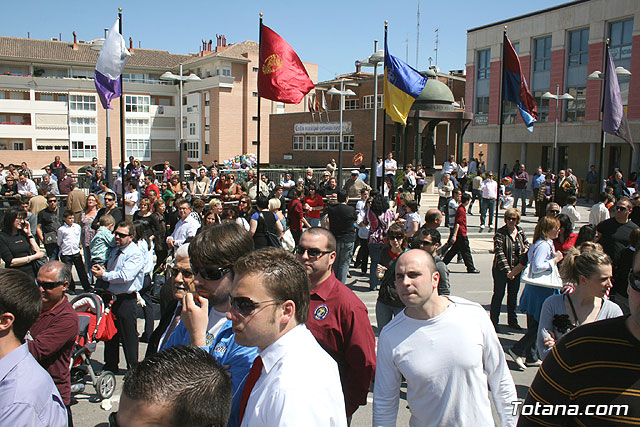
519, 360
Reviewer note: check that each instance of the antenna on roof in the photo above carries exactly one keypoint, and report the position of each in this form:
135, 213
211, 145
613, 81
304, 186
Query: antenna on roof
436, 48
418, 36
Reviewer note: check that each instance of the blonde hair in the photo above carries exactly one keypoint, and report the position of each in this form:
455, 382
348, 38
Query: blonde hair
97, 199
544, 226
512, 211
274, 204
583, 261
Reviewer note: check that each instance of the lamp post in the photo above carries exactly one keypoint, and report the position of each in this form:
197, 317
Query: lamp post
557, 97
372, 61
180, 78
599, 75
342, 93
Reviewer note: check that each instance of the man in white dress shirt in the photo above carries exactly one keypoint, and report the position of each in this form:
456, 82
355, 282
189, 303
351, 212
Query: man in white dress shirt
293, 381
447, 350
186, 227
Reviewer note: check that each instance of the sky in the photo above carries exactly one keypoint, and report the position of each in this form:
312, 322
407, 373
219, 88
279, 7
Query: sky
330, 33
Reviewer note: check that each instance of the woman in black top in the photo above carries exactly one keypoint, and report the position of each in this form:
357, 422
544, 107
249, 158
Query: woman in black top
18, 247
262, 222
160, 237
146, 216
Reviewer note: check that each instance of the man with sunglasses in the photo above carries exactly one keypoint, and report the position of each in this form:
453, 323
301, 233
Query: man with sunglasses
597, 363
54, 332
211, 255
29, 395
429, 239
48, 224
110, 207
338, 318
613, 233
293, 381
124, 273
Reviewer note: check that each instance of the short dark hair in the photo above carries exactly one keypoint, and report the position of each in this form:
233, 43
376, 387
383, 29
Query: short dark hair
282, 275
186, 378
319, 231
198, 203
181, 202
220, 245
465, 198
432, 217
412, 204
67, 213
342, 196
436, 237
19, 296
604, 197
129, 225
262, 202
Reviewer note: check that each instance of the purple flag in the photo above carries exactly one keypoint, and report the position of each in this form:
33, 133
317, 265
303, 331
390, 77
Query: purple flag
113, 57
613, 118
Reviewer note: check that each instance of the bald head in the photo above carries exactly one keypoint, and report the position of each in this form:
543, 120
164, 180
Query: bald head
433, 218
424, 258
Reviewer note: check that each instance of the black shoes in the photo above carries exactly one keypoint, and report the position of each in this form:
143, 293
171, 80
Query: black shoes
515, 326
474, 271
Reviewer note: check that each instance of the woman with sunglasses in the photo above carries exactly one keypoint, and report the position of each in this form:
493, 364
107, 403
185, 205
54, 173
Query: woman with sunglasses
389, 304
589, 269
379, 218
231, 190
245, 211
18, 247
91, 206
509, 244
543, 259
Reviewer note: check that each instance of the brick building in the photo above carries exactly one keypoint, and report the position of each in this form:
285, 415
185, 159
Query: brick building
558, 47
49, 106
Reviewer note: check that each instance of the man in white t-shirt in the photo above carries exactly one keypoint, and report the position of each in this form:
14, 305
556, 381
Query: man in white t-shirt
390, 168
293, 381
446, 348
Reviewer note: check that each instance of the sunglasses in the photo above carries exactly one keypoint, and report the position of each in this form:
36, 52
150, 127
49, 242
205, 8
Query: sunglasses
122, 235
211, 273
514, 218
311, 252
246, 306
186, 274
52, 201
108, 199
621, 208
423, 243
49, 285
396, 237
554, 211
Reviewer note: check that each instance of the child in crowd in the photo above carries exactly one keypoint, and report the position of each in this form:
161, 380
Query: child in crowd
570, 209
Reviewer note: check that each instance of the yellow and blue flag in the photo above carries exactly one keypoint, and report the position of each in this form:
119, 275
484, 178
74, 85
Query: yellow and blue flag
402, 85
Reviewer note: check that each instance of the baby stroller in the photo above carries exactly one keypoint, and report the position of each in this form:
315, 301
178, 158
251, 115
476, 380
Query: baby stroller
95, 323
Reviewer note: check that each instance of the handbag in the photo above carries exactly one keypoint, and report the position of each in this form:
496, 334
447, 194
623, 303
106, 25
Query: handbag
546, 279
288, 242
50, 237
272, 239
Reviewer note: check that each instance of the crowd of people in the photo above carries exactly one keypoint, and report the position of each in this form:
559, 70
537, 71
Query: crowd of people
256, 293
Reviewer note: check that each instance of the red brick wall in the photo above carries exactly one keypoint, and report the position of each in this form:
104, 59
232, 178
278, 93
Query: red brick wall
556, 77
494, 94
594, 87
633, 109
470, 98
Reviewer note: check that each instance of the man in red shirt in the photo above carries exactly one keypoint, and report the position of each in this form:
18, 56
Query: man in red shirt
313, 205
150, 186
296, 217
459, 240
55, 330
338, 319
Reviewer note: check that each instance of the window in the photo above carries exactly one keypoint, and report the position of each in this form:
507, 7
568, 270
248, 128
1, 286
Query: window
563, 156
395, 144
310, 143
347, 142
509, 111
575, 107
333, 142
351, 104
279, 107
542, 54
82, 74
137, 126
82, 125
140, 148
484, 64
481, 116
298, 142
543, 106
323, 143
46, 97
206, 148
367, 101
254, 118
192, 128
578, 47
193, 150
184, 122
620, 34
255, 69
206, 99
136, 104
18, 145
546, 160
226, 71
255, 94
82, 103
83, 150
516, 47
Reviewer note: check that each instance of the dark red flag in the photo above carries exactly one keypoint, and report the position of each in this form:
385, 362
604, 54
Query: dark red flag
281, 75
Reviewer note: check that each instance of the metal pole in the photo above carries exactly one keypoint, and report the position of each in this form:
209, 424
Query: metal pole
504, 42
384, 119
555, 136
258, 136
181, 144
122, 140
372, 174
602, 132
108, 157
340, 147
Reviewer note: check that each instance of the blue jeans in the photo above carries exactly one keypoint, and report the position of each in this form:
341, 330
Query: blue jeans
314, 222
375, 250
344, 252
384, 314
487, 205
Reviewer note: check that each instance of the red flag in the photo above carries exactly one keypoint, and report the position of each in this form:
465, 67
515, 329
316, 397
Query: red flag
281, 75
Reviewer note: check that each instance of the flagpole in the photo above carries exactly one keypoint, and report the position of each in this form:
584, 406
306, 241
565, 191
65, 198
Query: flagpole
384, 121
504, 43
259, 64
602, 132
373, 174
122, 123
108, 160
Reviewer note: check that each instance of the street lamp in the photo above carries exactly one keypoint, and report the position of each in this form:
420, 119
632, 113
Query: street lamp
342, 93
372, 61
180, 78
557, 97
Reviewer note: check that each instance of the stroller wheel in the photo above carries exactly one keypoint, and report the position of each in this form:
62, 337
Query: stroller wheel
105, 385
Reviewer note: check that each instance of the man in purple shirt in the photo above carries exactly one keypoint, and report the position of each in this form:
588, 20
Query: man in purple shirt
55, 330
28, 395
520, 181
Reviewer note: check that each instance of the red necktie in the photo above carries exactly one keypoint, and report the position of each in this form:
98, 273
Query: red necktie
252, 379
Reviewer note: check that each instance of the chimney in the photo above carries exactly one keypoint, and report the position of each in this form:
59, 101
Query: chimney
217, 41
75, 41
224, 41
209, 45
358, 67
130, 45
